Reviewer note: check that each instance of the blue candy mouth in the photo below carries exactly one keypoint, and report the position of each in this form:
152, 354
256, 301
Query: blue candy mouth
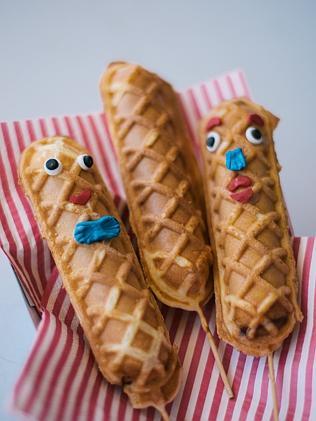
235, 160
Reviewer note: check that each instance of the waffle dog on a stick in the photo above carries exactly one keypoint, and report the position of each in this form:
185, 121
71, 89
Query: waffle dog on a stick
100, 271
254, 269
162, 185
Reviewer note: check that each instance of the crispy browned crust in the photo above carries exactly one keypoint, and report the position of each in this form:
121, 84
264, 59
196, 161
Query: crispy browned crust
161, 181
104, 281
254, 268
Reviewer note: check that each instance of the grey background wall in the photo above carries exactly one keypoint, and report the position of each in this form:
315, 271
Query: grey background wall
52, 54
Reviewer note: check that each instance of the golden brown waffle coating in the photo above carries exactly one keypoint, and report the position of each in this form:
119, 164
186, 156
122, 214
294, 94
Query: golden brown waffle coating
119, 315
254, 269
159, 171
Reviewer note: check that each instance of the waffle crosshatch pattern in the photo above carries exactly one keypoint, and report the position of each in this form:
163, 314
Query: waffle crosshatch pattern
257, 283
157, 170
65, 384
117, 311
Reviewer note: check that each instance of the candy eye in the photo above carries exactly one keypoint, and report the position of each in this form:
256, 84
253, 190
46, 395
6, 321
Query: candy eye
254, 135
85, 161
53, 166
212, 141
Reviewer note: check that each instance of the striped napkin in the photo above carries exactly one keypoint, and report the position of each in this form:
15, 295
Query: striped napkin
60, 380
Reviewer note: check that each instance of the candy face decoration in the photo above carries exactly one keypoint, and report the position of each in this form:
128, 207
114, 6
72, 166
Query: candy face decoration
237, 141
80, 191
255, 276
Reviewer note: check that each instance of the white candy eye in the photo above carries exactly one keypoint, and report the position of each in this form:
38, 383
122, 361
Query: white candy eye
254, 135
85, 161
213, 140
53, 166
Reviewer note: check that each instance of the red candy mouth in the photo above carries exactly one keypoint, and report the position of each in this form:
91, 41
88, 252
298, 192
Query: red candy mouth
81, 198
242, 196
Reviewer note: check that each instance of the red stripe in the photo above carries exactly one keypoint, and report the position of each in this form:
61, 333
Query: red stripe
287, 342
187, 120
194, 103
43, 127
236, 386
69, 127
218, 90
264, 393
43, 366
209, 366
15, 260
250, 389
83, 386
310, 366
244, 84
104, 155
56, 126
56, 374
206, 96
49, 287
108, 402
72, 379
231, 86
94, 397
191, 374
302, 329
41, 333
122, 407
15, 213
29, 212
30, 130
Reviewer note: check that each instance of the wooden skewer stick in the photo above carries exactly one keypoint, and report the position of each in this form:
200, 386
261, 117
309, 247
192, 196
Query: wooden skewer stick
218, 361
163, 412
273, 388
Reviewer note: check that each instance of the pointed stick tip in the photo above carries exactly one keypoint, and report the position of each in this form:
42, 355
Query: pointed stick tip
214, 349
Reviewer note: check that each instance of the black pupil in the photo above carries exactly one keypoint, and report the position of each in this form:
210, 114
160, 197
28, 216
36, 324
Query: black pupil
210, 141
52, 164
256, 133
88, 160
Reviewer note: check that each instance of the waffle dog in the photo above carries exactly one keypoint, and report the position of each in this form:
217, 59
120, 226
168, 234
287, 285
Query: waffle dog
100, 271
162, 185
157, 168
254, 269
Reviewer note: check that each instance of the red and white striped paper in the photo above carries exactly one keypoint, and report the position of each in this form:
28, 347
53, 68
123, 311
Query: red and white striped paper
60, 380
